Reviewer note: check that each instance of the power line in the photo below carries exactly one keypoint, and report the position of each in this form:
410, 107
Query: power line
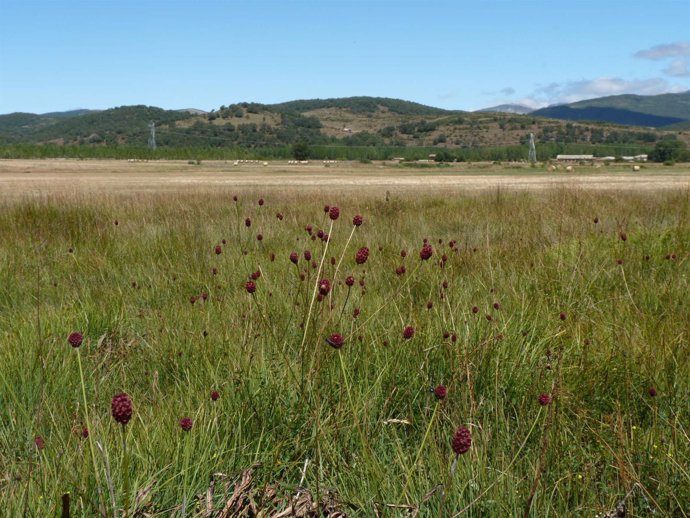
532, 156
152, 136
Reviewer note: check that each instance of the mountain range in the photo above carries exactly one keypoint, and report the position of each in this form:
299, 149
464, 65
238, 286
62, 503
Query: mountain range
361, 121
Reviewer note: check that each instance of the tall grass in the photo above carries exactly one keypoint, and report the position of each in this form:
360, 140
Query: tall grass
359, 427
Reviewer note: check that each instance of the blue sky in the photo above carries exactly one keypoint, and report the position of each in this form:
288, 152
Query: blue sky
60, 55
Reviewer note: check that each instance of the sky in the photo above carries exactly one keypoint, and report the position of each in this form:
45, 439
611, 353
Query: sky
453, 54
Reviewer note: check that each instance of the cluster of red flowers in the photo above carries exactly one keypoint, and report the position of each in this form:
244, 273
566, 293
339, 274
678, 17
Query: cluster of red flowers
121, 407
75, 339
426, 252
462, 440
324, 287
408, 332
336, 340
186, 423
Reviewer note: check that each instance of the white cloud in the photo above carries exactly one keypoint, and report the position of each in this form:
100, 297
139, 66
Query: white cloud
508, 91
678, 68
678, 52
666, 50
572, 91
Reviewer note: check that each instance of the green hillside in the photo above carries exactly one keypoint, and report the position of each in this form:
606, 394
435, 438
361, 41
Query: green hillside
636, 110
354, 126
118, 125
362, 105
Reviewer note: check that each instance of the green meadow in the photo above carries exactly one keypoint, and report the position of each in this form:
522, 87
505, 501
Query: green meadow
563, 345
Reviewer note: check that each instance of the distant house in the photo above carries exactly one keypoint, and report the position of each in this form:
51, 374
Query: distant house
636, 158
574, 158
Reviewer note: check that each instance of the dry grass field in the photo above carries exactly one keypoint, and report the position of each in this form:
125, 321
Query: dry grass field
19, 178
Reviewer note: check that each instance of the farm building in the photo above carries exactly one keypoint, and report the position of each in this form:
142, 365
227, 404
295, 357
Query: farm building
574, 158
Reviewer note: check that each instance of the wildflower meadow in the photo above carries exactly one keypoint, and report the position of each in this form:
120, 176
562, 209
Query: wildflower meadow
276, 353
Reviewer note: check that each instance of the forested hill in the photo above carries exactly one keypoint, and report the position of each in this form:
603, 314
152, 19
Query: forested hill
637, 110
371, 122
362, 105
117, 125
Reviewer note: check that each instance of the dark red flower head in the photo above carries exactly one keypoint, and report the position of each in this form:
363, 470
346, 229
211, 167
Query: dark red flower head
248, 222
350, 280
440, 392
186, 423
215, 395
562, 316
250, 286
623, 236
336, 340
596, 220
400, 269
279, 215
326, 208
75, 339
259, 237
652, 391
294, 257
462, 440
357, 220
218, 250
121, 407
334, 213
307, 255
426, 252
544, 399
261, 202
309, 229
324, 287
39, 442
362, 255
408, 332
85, 433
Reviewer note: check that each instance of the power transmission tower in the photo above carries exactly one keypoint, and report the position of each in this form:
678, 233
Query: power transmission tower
532, 156
152, 136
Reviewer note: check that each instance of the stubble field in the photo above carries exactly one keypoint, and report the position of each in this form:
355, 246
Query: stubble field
555, 317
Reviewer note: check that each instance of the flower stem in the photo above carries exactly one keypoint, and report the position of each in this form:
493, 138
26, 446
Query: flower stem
421, 448
88, 426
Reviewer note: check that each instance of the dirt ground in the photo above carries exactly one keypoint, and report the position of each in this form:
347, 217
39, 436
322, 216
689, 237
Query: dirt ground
28, 178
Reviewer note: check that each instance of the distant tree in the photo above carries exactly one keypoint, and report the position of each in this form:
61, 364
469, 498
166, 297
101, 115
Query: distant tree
669, 150
444, 156
300, 150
